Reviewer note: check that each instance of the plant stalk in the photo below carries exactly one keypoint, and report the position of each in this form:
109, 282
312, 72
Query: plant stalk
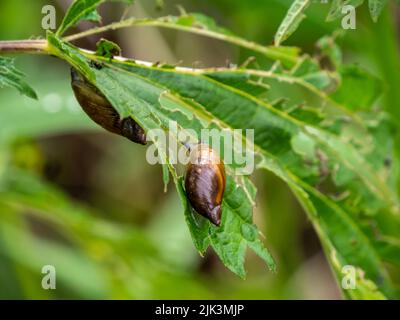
24, 46
269, 52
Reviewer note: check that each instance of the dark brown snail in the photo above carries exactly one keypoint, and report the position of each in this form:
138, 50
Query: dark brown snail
100, 110
205, 182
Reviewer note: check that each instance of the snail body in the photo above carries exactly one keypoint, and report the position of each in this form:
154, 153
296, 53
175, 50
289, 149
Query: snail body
205, 182
100, 110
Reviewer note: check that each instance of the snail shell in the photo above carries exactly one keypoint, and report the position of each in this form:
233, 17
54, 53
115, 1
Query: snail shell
100, 110
205, 182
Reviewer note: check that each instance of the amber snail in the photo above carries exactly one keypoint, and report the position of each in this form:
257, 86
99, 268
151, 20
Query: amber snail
100, 110
205, 182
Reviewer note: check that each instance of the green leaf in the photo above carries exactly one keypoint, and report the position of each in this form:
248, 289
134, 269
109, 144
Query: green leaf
107, 49
295, 14
82, 10
291, 21
376, 7
335, 10
78, 11
348, 241
389, 249
359, 89
198, 226
12, 77
92, 16
330, 49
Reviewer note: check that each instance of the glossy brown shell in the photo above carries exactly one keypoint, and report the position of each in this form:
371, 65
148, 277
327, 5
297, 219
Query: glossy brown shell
100, 110
205, 183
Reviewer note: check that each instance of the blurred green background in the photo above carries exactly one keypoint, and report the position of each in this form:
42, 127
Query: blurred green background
87, 202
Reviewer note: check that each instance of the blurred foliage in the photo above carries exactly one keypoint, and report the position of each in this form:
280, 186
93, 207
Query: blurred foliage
84, 201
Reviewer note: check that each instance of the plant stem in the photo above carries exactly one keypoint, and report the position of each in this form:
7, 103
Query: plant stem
24, 46
270, 52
